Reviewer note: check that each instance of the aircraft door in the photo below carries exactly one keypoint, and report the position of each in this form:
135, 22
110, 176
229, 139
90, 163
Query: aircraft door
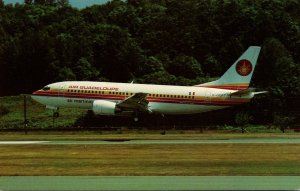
207, 97
61, 89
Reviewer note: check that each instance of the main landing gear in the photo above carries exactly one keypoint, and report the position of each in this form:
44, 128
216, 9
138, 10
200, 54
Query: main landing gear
136, 116
136, 119
163, 124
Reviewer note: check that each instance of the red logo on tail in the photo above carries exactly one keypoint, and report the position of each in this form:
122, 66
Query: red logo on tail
243, 67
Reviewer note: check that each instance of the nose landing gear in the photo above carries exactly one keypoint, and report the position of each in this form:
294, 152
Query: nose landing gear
55, 115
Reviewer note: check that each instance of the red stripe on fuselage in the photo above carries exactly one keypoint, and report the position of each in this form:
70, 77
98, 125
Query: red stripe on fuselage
150, 99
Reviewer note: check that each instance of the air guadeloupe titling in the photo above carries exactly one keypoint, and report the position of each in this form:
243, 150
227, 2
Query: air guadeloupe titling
93, 88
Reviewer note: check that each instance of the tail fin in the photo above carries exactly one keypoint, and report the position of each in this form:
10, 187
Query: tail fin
238, 76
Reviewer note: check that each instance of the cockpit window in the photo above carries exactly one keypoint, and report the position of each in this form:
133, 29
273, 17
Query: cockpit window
46, 88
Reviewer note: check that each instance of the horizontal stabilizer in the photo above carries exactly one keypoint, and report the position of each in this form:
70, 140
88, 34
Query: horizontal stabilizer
247, 91
262, 92
243, 92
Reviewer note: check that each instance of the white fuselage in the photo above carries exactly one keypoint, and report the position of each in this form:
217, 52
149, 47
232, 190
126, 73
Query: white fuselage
162, 99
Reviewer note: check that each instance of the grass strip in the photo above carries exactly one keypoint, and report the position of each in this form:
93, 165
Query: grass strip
144, 160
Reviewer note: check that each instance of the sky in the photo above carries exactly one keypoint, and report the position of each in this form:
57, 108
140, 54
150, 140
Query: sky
75, 3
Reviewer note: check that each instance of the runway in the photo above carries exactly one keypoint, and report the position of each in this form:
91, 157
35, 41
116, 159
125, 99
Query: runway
34, 183
145, 142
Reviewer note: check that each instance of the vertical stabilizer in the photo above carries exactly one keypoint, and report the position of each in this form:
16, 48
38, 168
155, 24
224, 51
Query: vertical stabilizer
239, 75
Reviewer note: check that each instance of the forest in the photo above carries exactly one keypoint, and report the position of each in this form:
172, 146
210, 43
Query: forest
155, 42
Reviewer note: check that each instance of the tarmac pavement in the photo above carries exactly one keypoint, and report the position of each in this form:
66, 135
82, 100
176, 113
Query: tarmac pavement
65, 183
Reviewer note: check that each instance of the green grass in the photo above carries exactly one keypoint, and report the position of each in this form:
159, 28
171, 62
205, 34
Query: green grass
38, 116
140, 160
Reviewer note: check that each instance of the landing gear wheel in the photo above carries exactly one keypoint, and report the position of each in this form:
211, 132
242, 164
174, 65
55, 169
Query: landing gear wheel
136, 119
136, 116
55, 114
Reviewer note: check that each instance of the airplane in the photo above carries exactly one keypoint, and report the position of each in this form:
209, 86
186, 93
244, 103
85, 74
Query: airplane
108, 98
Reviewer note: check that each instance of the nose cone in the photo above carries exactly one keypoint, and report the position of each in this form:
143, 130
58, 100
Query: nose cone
37, 95
36, 92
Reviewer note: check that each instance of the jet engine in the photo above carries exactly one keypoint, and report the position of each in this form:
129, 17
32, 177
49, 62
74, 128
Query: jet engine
103, 107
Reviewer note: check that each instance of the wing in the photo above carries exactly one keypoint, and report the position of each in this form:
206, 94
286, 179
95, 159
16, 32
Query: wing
135, 102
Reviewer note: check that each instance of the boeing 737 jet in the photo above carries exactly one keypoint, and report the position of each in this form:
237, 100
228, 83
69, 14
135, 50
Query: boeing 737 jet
106, 98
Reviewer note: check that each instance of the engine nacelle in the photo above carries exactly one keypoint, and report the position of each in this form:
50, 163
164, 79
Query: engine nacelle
103, 107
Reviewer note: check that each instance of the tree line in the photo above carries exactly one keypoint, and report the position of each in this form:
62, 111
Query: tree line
151, 41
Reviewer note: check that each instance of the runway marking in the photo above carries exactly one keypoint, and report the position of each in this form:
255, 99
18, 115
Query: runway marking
21, 142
